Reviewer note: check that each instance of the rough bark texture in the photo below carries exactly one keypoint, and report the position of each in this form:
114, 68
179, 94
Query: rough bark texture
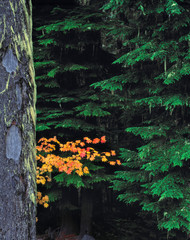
17, 118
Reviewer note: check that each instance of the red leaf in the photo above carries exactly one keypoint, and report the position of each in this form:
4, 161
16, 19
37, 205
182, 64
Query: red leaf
83, 153
103, 139
96, 140
88, 149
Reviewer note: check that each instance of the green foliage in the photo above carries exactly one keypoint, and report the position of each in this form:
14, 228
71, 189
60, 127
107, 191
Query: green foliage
44, 64
76, 124
67, 180
148, 96
149, 132
54, 195
75, 180
42, 127
91, 110
112, 84
68, 59
155, 52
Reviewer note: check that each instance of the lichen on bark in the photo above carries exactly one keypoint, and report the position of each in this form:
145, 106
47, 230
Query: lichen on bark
17, 117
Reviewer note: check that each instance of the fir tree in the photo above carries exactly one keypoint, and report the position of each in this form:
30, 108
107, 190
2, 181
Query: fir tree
155, 83
68, 59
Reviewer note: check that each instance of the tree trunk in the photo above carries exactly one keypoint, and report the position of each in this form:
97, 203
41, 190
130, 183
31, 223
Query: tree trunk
17, 119
86, 211
84, 2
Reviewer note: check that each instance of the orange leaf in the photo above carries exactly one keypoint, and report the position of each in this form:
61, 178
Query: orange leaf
39, 148
113, 153
112, 163
104, 159
88, 140
92, 158
82, 144
63, 168
69, 171
39, 195
79, 172
118, 162
42, 139
96, 140
83, 153
103, 139
73, 149
107, 154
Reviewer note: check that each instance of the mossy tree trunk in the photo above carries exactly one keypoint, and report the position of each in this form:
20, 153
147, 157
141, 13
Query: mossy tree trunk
17, 114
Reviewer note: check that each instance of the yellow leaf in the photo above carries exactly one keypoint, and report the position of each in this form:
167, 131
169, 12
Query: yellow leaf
112, 163
46, 205
104, 159
85, 170
107, 154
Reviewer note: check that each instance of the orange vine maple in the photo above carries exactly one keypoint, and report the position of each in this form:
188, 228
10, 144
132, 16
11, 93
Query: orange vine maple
68, 164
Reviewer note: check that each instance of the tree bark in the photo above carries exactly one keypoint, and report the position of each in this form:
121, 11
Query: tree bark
17, 119
86, 211
84, 2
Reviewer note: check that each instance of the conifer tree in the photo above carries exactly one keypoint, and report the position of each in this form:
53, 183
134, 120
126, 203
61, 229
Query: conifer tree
154, 38
68, 59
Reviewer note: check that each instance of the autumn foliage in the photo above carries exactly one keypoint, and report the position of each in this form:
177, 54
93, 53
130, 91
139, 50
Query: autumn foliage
72, 161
